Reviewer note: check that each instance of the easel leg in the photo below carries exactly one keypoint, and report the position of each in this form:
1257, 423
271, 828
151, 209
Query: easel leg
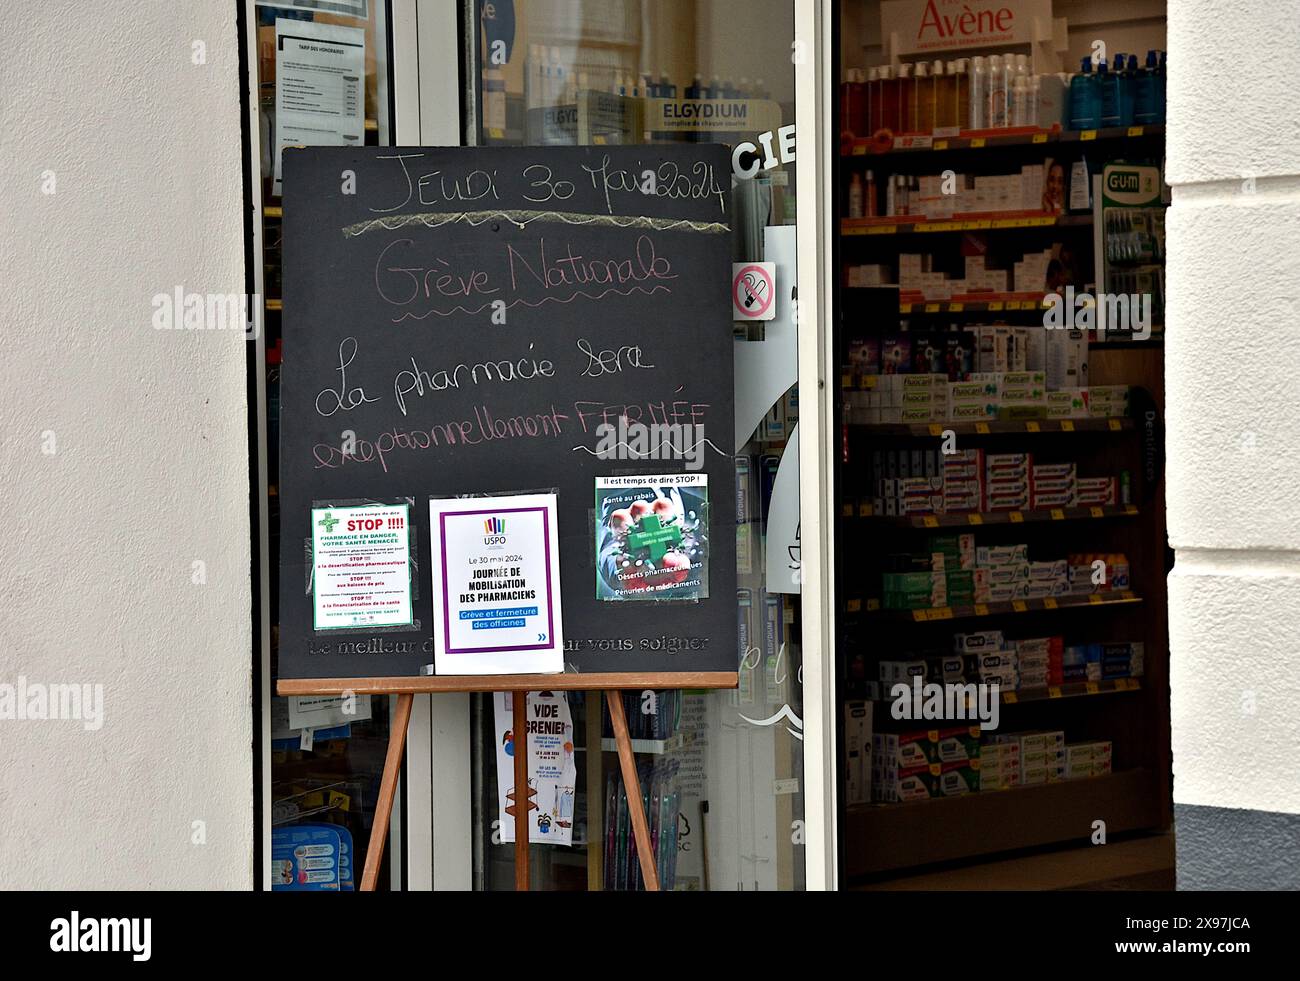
632, 784
519, 700
387, 790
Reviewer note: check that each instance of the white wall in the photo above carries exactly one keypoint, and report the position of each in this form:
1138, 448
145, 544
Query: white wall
149, 469
1233, 356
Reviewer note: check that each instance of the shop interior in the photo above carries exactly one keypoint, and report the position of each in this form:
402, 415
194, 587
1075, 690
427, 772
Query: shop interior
999, 489
1001, 505
721, 771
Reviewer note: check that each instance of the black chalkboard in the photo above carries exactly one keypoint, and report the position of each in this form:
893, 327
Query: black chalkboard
610, 267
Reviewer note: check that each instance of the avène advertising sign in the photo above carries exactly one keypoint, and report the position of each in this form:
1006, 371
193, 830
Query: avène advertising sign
949, 25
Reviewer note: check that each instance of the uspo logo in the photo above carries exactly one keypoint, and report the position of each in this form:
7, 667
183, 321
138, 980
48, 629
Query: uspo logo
494, 531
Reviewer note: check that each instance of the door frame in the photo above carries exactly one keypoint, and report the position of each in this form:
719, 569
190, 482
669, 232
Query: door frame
427, 99
815, 226
432, 40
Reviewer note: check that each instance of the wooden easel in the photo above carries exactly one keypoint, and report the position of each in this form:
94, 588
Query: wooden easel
407, 688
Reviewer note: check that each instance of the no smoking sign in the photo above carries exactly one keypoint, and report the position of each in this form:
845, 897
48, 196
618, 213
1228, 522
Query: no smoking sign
753, 290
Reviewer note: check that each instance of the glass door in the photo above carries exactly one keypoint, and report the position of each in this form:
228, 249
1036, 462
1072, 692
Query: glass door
318, 73
723, 770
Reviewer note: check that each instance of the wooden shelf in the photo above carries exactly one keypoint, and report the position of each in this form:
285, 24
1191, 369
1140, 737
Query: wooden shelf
888, 145
852, 227
1049, 693
977, 303
1074, 689
884, 837
873, 609
994, 426
976, 520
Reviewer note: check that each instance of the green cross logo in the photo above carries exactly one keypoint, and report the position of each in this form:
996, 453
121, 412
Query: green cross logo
328, 522
655, 537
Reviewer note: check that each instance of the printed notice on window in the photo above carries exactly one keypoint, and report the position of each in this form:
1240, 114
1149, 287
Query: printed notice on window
320, 87
361, 566
352, 8
496, 585
549, 798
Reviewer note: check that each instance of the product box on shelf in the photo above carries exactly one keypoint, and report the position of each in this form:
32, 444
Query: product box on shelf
1067, 359
978, 642
924, 783
857, 745
1067, 403
924, 747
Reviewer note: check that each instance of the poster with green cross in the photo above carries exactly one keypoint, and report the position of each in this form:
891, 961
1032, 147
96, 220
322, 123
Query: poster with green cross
652, 537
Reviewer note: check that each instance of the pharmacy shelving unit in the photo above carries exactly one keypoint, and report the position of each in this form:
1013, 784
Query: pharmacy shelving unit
887, 840
990, 139
884, 839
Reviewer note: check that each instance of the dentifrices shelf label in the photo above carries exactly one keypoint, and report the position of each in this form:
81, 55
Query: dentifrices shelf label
502, 321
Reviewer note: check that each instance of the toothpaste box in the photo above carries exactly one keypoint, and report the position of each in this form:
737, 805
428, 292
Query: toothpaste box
999, 754
1033, 773
1024, 379
890, 787
1046, 646
1046, 590
958, 550
896, 752
1102, 492
1001, 575
892, 672
1007, 593
959, 504
1054, 471
972, 392
982, 412
1057, 569
1043, 500
1070, 403
961, 486
945, 667
995, 661
1054, 484
962, 471
1035, 742
990, 555
955, 745
955, 780
1001, 779
929, 748
1006, 502
908, 582
1007, 461
978, 642
901, 486
913, 505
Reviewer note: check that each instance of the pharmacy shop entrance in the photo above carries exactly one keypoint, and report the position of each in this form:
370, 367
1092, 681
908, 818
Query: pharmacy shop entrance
1001, 643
